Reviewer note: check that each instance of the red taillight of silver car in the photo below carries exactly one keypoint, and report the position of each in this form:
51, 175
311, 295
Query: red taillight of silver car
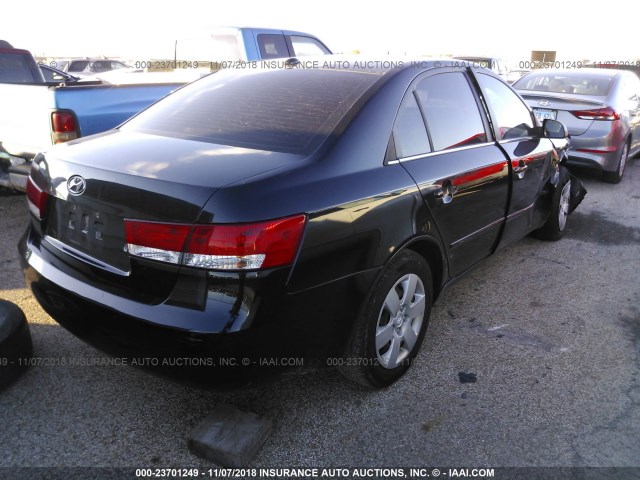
250, 246
606, 113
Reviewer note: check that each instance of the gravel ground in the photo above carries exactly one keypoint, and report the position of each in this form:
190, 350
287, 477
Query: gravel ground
550, 330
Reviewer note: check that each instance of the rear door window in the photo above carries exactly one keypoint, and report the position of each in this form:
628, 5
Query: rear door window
100, 66
451, 111
409, 132
272, 46
307, 46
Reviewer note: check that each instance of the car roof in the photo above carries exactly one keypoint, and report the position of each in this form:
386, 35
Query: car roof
17, 51
359, 63
231, 28
381, 66
93, 59
476, 57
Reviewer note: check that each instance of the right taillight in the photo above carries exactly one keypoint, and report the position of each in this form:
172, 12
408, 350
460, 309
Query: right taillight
249, 246
606, 113
37, 199
64, 127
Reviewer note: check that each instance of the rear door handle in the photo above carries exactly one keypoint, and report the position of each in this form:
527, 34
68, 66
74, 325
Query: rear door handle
447, 192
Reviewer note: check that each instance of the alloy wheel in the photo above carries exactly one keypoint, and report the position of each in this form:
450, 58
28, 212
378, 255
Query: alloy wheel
400, 321
563, 207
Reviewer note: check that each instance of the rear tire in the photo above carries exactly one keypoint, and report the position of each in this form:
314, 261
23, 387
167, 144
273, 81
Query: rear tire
15, 343
555, 226
392, 323
615, 177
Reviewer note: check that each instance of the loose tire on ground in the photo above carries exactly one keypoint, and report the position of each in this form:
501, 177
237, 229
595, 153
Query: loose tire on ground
15, 343
392, 323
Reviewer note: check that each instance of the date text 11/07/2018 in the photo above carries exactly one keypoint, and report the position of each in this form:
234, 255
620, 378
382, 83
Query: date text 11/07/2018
570, 64
367, 472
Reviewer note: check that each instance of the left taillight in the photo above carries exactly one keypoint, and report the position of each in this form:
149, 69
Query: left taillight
37, 199
64, 126
251, 246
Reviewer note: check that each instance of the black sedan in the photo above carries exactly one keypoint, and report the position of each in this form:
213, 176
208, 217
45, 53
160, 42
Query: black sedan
292, 211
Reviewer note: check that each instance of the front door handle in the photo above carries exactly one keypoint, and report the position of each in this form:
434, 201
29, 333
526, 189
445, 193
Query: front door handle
520, 169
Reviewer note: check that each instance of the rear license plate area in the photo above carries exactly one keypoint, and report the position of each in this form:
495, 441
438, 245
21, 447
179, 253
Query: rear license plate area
89, 231
80, 227
545, 114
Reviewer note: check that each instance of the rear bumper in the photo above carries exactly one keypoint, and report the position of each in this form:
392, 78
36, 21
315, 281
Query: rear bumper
258, 319
603, 162
597, 148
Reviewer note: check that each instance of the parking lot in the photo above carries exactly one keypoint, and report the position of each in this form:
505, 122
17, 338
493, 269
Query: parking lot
550, 330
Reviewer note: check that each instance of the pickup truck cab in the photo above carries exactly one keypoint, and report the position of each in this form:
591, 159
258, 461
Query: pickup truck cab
37, 113
18, 66
228, 44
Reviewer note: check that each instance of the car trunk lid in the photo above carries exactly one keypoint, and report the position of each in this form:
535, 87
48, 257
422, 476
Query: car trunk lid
561, 105
94, 190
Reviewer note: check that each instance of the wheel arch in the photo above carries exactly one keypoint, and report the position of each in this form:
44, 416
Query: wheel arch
428, 248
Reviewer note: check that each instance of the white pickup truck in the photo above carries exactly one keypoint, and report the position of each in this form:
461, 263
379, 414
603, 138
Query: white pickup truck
37, 114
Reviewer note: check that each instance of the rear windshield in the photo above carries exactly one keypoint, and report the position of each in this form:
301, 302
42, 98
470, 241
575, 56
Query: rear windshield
583, 84
292, 110
18, 68
78, 66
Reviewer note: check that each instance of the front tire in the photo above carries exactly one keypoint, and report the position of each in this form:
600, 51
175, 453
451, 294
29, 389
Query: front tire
554, 227
392, 323
615, 177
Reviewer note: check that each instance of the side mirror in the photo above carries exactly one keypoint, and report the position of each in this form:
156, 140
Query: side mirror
554, 129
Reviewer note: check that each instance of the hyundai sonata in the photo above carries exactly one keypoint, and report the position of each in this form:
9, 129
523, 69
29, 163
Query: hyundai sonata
295, 210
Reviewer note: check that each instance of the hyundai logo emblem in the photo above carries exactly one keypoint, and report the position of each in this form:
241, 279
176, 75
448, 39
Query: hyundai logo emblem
544, 103
76, 185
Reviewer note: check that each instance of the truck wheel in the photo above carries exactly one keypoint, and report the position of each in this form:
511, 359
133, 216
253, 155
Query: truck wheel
555, 225
15, 343
392, 323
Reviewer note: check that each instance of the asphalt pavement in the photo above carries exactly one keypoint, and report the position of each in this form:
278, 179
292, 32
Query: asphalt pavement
545, 335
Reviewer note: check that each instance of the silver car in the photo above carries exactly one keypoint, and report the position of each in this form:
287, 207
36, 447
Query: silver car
599, 107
